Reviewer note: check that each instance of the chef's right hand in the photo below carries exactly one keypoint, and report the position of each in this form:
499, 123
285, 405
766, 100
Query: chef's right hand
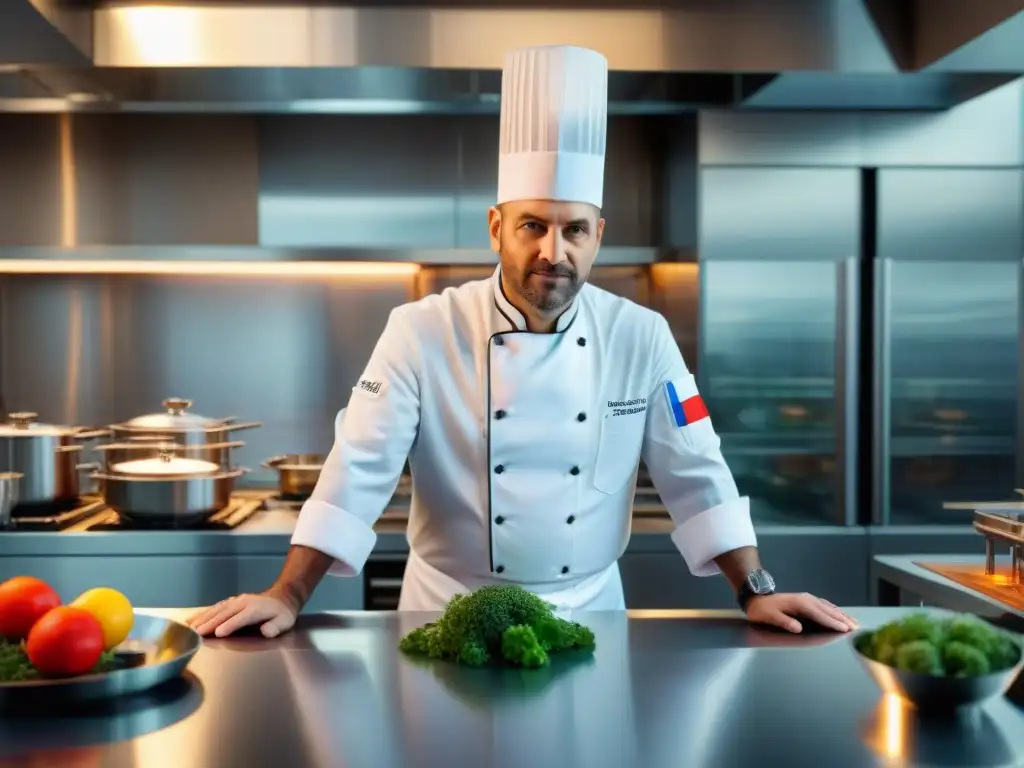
272, 614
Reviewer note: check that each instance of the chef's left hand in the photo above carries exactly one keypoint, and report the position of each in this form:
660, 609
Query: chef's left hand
782, 610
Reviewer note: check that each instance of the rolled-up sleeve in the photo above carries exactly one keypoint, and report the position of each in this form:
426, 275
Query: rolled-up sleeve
683, 454
372, 439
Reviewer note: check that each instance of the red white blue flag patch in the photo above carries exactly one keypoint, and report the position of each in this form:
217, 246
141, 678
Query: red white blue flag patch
685, 411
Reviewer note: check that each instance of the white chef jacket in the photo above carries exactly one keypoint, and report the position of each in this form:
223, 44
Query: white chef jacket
523, 449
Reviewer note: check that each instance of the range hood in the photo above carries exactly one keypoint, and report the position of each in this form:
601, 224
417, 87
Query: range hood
402, 56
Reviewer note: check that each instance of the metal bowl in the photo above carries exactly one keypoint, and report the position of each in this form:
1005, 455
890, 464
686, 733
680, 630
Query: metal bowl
157, 651
932, 693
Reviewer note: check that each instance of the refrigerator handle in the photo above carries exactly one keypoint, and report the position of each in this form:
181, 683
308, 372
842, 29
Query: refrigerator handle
881, 396
847, 388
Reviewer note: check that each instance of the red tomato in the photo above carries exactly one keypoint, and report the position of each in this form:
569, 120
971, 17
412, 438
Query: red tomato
66, 641
23, 601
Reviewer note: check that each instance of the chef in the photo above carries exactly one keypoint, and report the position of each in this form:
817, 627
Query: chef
524, 404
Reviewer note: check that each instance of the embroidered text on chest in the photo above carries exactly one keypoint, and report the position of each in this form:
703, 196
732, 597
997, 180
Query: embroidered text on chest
627, 407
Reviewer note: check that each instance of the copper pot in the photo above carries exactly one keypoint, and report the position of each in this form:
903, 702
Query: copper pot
297, 473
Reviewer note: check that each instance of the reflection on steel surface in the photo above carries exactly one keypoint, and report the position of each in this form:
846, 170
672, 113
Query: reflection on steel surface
81, 732
895, 733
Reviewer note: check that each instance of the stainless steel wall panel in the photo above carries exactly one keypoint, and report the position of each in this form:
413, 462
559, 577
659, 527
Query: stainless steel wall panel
284, 351
31, 180
959, 214
983, 132
167, 180
779, 213
360, 181
58, 347
477, 173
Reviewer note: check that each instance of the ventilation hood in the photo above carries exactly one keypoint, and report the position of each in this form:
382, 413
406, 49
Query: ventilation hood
402, 56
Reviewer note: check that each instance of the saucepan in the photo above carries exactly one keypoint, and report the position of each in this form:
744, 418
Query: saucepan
167, 488
48, 455
185, 428
297, 473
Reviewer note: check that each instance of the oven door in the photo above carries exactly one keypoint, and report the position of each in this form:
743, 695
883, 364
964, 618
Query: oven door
383, 582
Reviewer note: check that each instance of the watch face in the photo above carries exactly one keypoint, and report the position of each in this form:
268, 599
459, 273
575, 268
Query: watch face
760, 582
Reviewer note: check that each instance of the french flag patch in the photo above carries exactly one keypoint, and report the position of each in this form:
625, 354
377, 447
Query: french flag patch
685, 411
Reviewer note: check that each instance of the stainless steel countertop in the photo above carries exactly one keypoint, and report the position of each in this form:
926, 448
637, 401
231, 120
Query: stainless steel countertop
903, 572
679, 688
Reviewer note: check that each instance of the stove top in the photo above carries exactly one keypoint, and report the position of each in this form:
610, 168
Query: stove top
55, 518
234, 514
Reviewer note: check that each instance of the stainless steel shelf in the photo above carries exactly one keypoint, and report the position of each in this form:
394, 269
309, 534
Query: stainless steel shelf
610, 256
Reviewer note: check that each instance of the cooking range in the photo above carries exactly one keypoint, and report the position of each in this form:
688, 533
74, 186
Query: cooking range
91, 514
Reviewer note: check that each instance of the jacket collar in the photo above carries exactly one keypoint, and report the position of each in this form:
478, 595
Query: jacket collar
515, 318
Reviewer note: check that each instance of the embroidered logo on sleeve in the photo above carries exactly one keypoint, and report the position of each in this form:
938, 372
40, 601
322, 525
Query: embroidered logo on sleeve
371, 387
687, 407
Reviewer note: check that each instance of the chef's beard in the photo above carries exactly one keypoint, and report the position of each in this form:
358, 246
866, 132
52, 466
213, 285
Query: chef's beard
545, 295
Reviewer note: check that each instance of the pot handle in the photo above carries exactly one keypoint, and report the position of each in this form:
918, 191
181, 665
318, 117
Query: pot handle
91, 434
273, 461
234, 426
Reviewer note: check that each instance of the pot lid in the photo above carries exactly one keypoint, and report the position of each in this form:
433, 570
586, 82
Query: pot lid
165, 464
175, 416
24, 424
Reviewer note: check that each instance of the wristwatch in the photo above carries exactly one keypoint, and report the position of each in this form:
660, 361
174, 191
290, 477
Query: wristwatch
758, 582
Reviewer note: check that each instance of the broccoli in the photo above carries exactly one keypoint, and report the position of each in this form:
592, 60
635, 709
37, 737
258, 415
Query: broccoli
497, 624
963, 660
962, 646
919, 656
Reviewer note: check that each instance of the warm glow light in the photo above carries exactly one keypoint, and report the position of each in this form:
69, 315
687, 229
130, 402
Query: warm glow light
162, 35
212, 268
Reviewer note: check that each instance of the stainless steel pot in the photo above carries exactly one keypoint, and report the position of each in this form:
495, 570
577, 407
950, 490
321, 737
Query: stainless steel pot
185, 428
297, 473
143, 447
47, 455
167, 488
8, 495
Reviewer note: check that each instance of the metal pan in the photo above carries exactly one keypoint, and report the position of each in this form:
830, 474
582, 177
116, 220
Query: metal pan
297, 473
180, 499
157, 650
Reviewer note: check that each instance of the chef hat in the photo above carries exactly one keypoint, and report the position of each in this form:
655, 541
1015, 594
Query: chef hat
554, 116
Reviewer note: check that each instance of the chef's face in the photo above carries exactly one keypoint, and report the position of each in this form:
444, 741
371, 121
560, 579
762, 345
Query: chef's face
546, 249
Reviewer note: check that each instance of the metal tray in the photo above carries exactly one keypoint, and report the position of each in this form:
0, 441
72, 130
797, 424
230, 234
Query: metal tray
157, 650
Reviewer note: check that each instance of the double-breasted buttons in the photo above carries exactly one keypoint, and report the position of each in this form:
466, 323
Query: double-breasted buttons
570, 519
499, 469
565, 569
500, 414
574, 471
581, 341
581, 416
499, 520
500, 569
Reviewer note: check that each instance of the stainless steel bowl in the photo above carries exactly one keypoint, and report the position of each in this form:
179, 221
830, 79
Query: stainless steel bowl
9, 484
936, 694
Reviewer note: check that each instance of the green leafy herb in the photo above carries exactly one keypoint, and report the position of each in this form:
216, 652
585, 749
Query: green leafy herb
15, 666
